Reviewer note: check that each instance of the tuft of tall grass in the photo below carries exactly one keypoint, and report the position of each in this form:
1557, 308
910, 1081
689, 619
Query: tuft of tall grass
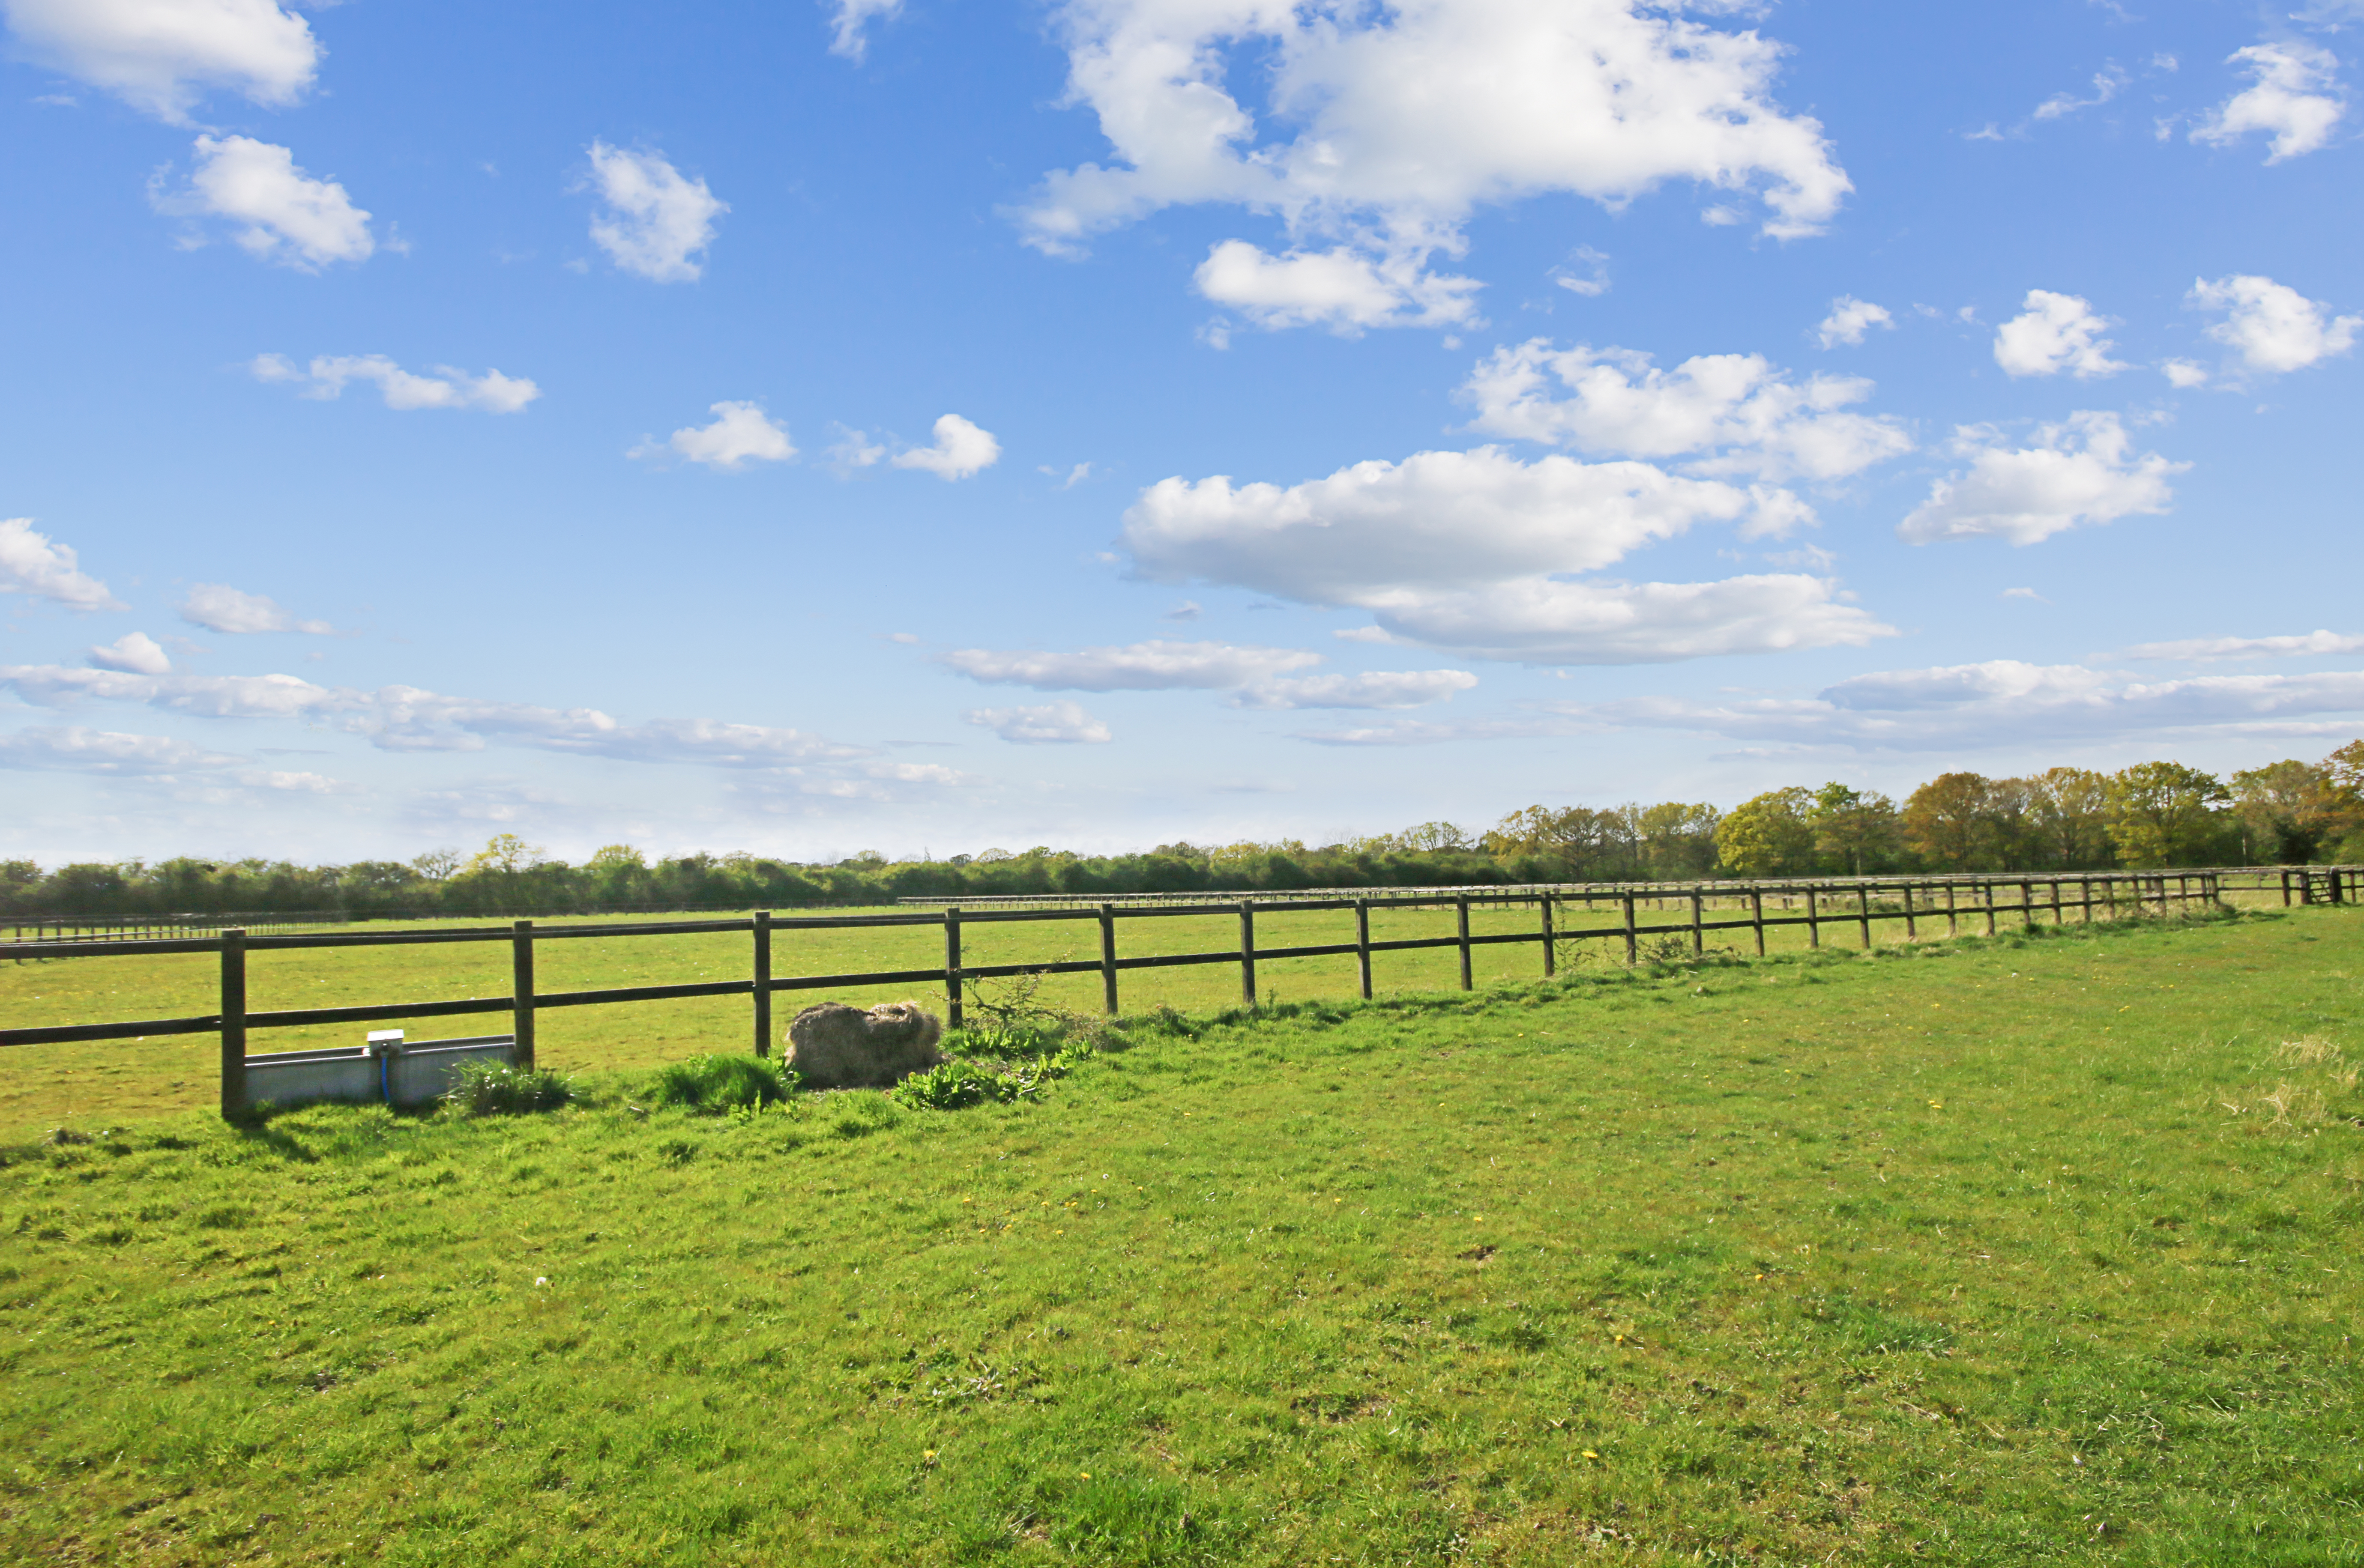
715, 1083
496, 1089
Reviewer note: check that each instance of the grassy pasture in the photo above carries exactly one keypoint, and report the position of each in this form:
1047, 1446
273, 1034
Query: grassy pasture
2035, 1249
41, 1086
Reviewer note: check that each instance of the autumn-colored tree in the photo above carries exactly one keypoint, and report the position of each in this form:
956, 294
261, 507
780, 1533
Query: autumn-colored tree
1771, 835
1944, 819
1861, 831
2163, 813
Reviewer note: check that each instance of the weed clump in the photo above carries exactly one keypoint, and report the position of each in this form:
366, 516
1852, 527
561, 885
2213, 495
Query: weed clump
955, 1084
496, 1089
715, 1084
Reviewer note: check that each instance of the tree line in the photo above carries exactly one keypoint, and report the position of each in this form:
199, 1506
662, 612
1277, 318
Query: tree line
2063, 820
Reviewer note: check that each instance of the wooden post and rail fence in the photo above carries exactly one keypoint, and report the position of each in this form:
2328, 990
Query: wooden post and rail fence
1915, 901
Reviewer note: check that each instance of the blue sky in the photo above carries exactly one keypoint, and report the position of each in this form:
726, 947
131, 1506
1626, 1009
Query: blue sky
804, 429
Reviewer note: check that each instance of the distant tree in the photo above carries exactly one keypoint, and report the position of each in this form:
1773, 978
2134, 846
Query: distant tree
1945, 819
616, 857
2069, 811
1434, 836
2285, 810
2163, 813
503, 853
1678, 839
1860, 831
1771, 835
436, 865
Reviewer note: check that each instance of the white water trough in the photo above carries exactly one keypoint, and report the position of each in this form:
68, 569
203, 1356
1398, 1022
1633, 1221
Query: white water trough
384, 1072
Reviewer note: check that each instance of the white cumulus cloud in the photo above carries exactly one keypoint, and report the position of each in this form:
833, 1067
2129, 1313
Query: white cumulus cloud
159, 56
135, 651
961, 449
654, 224
849, 27
1051, 724
218, 607
32, 562
2294, 94
2273, 327
2214, 648
327, 376
1445, 519
1338, 288
75, 749
1158, 665
2079, 472
1405, 119
741, 433
1737, 410
1849, 320
282, 214
1376, 689
1540, 622
2055, 332
2006, 701
1468, 550
407, 718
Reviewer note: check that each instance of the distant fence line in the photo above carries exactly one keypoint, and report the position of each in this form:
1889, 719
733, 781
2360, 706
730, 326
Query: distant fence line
36, 926
1912, 900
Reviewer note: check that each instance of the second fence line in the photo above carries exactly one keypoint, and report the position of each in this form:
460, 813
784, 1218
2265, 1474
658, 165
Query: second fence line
1911, 902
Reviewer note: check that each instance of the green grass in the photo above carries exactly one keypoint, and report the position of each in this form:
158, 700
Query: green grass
40, 1086
2029, 1251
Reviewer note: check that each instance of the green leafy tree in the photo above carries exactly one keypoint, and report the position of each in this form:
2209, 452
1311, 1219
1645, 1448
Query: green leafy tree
1678, 838
1860, 831
503, 853
2286, 810
2164, 814
1771, 835
2068, 817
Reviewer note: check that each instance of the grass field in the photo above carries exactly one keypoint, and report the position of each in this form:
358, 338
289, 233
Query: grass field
2031, 1249
39, 1086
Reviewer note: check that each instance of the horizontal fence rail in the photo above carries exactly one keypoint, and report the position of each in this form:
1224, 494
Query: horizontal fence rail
1978, 902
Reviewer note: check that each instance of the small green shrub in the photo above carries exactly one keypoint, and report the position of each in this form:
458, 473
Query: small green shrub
713, 1085
954, 1084
496, 1089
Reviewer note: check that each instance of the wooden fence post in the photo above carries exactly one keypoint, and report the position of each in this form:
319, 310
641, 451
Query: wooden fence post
1461, 927
233, 1023
1756, 916
1551, 958
1632, 954
1813, 920
1986, 897
1698, 935
2027, 906
1863, 911
763, 982
1107, 959
952, 967
1247, 952
2286, 897
1363, 944
521, 992
1912, 924
2057, 921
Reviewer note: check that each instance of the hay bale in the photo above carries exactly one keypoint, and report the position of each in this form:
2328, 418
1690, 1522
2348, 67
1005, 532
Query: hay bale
832, 1046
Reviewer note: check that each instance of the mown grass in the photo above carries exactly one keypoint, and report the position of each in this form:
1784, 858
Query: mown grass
39, 1086
2036, 1249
